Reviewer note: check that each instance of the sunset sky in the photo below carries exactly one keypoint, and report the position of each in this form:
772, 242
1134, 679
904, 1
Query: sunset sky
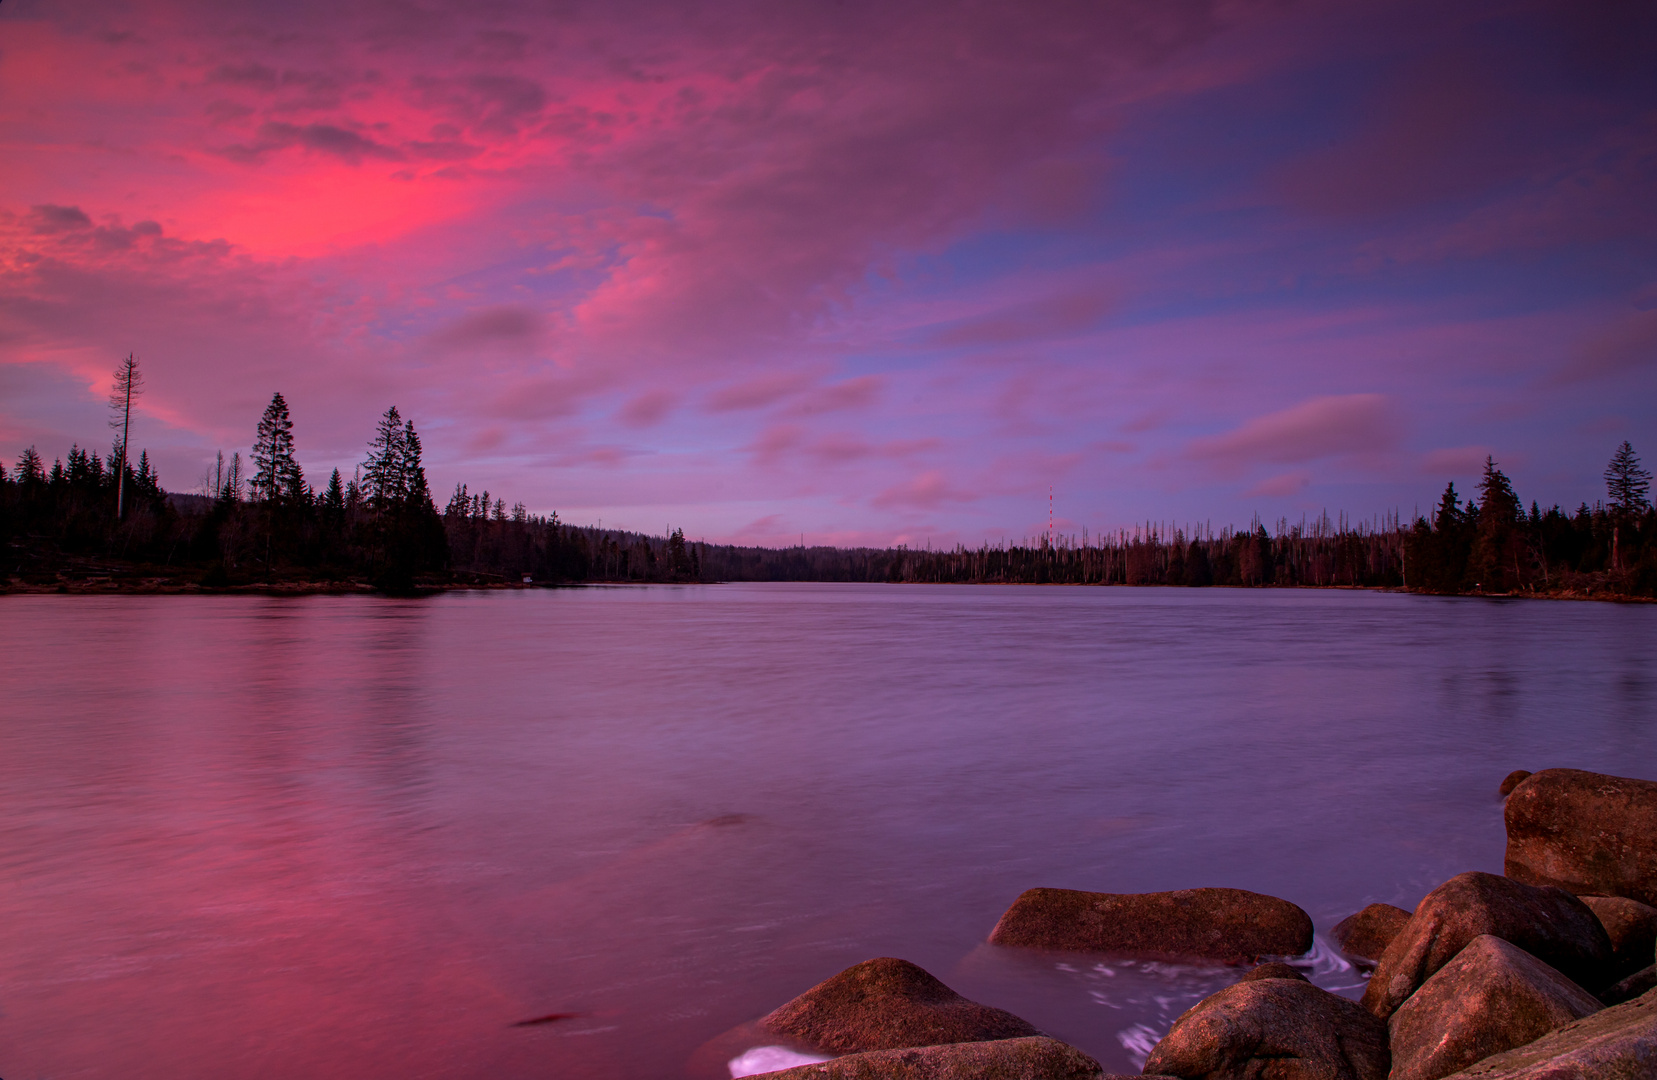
866, 272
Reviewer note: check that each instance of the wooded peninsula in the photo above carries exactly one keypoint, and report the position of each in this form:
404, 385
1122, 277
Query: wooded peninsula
88, 523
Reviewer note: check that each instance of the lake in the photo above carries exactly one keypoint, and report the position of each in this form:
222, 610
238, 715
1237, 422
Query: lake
361, 837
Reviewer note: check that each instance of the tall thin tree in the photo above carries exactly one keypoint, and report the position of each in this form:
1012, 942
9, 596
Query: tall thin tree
276, 474
1626, 487
129, 383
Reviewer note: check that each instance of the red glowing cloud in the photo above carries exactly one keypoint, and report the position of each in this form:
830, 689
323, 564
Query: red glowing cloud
877, 268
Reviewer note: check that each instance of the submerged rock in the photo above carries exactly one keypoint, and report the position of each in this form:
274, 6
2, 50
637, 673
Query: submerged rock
1491, 997
887, 1004
1587, 832
1513, 780
1277, 969
1274, 1029
1034, 1058
1619, 1043
1227, 925
1632, 928
1367, 934
1549, 923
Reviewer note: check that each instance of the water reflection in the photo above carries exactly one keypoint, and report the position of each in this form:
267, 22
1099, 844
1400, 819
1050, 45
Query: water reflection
349, 837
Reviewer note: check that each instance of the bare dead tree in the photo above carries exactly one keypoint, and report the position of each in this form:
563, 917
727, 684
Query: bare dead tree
129, 383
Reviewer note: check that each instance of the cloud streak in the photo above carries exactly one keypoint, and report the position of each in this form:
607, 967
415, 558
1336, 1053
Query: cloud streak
880, 270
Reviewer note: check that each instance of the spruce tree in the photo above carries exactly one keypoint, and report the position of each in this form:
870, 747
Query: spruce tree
1627, 485
333, 499
31, 471
276, 474
384, 481
1499, 547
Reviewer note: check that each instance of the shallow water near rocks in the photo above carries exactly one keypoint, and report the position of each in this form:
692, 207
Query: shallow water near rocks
357, 837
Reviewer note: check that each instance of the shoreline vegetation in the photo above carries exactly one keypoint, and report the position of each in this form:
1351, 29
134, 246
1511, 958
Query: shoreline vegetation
87, 524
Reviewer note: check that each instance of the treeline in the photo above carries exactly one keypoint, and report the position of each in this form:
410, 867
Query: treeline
1490, 545
262, 522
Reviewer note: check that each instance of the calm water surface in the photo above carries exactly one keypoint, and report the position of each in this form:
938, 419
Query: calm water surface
362, 838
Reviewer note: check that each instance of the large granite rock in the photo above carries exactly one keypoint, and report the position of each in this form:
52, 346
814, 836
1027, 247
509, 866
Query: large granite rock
1628, 989
1490, 997
1037, 1058
1586, 832
1366, 935
1273, 1029
1228, 925
1550, 924
1513, 780
1277, 969
1632, 928
888, 1004
1619, 1043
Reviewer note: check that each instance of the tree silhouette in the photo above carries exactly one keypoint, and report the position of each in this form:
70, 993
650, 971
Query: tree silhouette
276, 474
129, 383
1627, 486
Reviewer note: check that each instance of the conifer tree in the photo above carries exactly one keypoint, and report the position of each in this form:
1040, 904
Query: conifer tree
384, 481
1497, 549
1627, 485
1626, 488
31, 472
333, 499
276, 474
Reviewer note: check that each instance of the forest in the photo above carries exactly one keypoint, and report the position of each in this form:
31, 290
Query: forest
90, 522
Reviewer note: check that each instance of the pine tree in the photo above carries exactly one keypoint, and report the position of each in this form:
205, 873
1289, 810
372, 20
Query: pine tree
1626, 488
333, 499
1449, 515
415, 491
1627, 485
1497, 551
276, 474
31, 472
384, 482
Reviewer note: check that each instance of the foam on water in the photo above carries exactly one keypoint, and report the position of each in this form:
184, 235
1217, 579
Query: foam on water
764, 1059
1165, 991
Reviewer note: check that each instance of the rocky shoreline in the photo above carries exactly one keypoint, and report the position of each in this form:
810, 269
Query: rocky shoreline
1547, 971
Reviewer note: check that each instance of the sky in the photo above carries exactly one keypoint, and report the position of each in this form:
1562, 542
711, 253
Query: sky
846, 272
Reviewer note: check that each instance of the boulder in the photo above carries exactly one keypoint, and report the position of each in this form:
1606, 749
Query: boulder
888, 1004
1277, 969
1641, 982
1367, 934
1632, 928
1226, 925
1549, 923
1281, 1029
1587, 832
1512, 781
1036, 1058
1492, 996
1619, 1043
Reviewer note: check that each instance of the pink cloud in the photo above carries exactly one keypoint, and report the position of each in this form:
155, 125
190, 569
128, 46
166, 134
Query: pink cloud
1320, 428
649, 408
1282, 485
1626, 347
1455, 461
757, 393
855, 393
928, 491
1049, 318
